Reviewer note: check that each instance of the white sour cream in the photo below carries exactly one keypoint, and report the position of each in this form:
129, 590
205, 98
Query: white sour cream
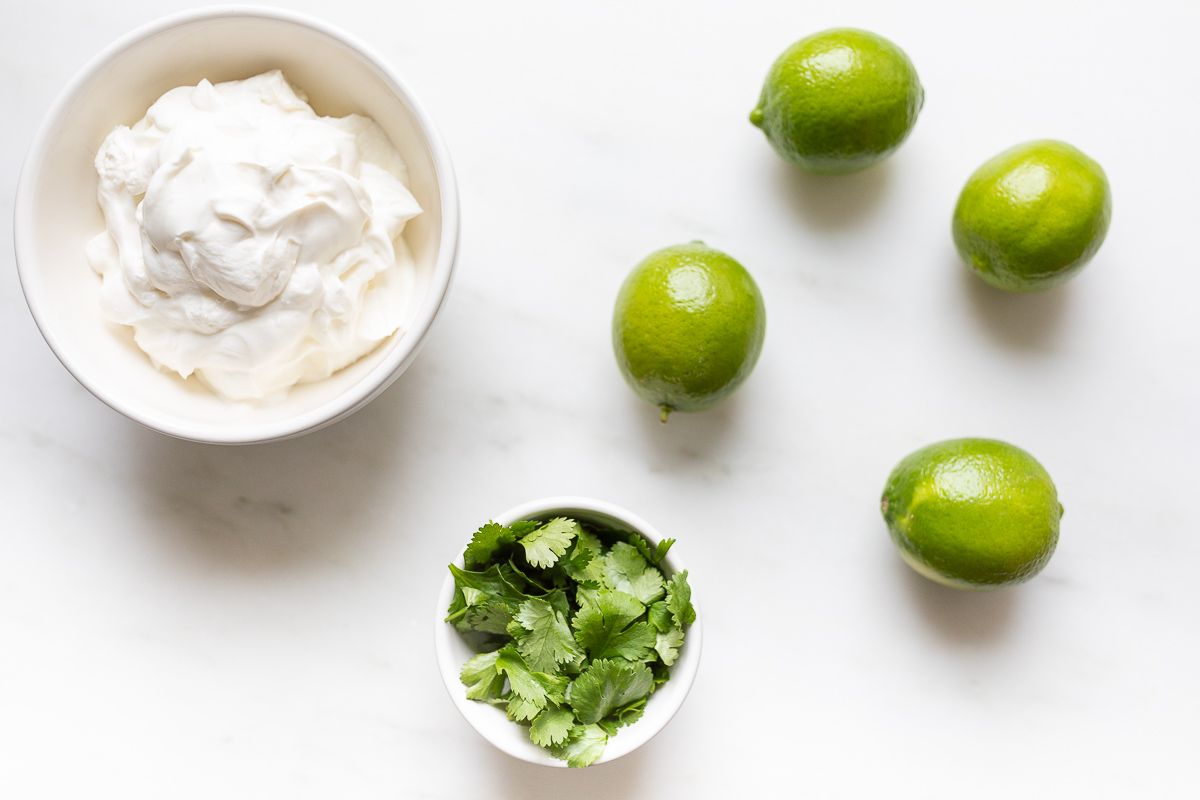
251, 242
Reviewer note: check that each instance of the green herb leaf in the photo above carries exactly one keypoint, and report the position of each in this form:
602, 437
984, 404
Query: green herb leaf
521, 710
544, 546
547, 641
660, 616
654, 556
588, 595
584, 745
495, 581
555, 686
525, 526
626, 571
551, 727
491, 616
480, 676
667, 646
608, 685
679, 600
558, 600
584, 563
630, 713
623, 716
520, 678
635, 643
661, 674
602, 618
486, 543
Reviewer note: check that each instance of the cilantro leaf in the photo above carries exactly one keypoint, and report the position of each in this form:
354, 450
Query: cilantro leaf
584, 745
558, 600
660, 616
584, 563
495, 580
577, 561
625, 570
556, 687
490, 616
480, 611
551, 727
661, 674
630, 713
547, 641
522, 710
480, 676
602, 617
667, 646
544, 545
654, 556
606, 686
587, 595
623, 716
484, 601
486, 543
635, 643
525, 526
536, 687
520, 678
590, 541
679, 600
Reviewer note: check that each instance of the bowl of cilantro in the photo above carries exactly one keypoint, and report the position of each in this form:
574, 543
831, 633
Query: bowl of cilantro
566, 633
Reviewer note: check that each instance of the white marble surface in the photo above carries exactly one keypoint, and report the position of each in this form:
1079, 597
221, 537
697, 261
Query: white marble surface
184, 621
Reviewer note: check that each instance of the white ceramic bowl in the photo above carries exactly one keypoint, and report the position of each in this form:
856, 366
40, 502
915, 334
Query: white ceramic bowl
490, 722
56, 212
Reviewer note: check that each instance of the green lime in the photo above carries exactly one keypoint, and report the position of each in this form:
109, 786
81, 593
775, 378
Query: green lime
1031, 217
972, 513
839, 101
688, 327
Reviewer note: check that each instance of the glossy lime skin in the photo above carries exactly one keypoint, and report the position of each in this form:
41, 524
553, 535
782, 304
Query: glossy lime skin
839, 101
1033, 216
688, 327
972, 513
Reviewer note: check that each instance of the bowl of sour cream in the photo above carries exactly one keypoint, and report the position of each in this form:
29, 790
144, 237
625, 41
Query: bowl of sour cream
236, 225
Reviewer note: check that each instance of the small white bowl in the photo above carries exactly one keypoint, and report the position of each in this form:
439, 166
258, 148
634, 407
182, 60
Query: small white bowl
57, 213
512, 738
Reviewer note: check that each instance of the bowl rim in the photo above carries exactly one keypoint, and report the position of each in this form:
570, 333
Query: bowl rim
366, 388
636, 735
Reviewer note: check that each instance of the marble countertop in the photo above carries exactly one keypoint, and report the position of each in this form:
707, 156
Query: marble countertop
195, 622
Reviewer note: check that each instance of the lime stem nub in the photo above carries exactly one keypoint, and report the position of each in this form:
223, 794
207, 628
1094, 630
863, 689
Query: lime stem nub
664, 411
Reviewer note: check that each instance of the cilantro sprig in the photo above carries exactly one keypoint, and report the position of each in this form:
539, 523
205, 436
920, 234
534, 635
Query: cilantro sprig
575, 627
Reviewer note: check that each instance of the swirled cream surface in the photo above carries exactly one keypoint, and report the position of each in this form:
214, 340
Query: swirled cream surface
251, 242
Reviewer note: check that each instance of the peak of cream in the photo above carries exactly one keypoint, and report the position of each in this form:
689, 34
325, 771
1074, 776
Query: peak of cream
251, 242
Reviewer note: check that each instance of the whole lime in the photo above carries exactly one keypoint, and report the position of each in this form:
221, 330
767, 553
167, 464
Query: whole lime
688, 327
839, 101
972, 513
1033, 216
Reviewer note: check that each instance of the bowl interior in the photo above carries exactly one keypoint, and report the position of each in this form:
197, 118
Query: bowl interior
58, 214
492, 724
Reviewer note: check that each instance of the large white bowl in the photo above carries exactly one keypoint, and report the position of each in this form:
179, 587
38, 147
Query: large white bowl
57, 213
513, 739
